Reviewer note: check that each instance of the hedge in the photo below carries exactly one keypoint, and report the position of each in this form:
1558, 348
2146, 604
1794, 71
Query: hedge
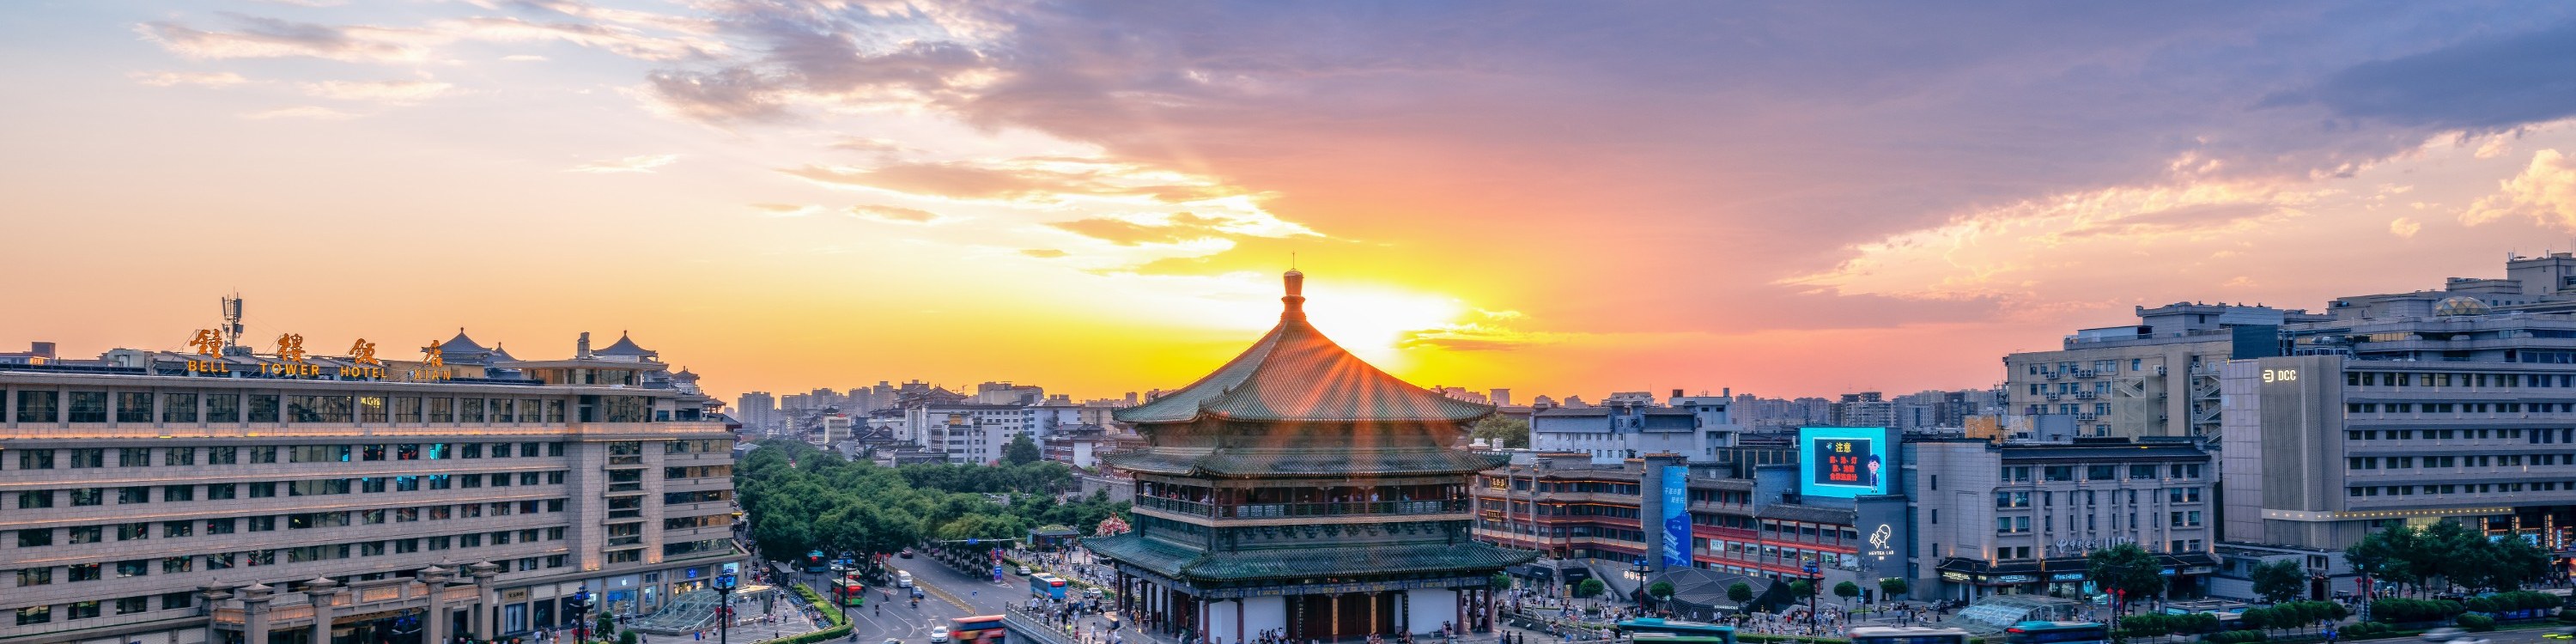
2476, 622
840, 628
2234, 637
2399, 609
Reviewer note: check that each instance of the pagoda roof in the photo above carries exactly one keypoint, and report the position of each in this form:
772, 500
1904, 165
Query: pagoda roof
461, 344
1237, 461
1294, 373
625, 346
1339, 560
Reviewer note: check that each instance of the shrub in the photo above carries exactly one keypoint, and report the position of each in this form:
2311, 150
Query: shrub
2398, 609
628, 637
2234, 637
2476, 622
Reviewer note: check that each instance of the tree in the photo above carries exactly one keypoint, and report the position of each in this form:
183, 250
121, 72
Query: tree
1802, 589
1021, 451
1589, 588
2280, 580
2128, 571
1848, 591
1662, 591
1502, 431
1739, 592
1892, 587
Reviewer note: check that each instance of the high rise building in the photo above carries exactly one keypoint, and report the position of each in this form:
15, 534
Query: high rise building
759, 411
1864, 409
2155, 378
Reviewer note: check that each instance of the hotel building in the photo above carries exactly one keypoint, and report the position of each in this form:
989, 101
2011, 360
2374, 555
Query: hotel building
225, 497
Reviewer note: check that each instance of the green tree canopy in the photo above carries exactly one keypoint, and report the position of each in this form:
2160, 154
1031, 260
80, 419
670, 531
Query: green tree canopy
2280, 580
1590, 588
801, 499
1893, 587
1021, 451
1739, 592
2127, 568
1502, 431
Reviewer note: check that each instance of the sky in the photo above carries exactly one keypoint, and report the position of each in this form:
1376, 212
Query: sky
1560, 198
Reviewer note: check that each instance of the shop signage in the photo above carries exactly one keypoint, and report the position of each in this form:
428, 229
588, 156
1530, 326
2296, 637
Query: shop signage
2067, 576
2015, 579
1954, 576
514, 596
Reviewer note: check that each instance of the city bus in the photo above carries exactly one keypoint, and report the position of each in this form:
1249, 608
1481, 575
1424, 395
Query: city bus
1046, 585
1662, 630
981, 629
853, 593
1908, 635
816, 563
2057, 633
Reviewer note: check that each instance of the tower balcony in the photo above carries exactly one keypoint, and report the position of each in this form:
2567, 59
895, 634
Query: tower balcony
1294, 510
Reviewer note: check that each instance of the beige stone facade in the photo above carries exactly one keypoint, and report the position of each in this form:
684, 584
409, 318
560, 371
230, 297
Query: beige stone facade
180, 509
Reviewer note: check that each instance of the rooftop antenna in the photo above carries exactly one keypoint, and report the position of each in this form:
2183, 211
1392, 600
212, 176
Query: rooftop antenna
1292, 260
232, 328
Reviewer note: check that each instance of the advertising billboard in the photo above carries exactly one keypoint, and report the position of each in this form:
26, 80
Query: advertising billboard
1677, 523
1843, 462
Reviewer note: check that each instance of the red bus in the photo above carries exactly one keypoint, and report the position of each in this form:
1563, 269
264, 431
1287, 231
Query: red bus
853, 593
981, 629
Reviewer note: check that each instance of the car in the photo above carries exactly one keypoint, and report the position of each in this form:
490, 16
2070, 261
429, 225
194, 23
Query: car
907, 553
1024, 571
2444, 634
1093, 592
891, 641
938, 633
2470, 640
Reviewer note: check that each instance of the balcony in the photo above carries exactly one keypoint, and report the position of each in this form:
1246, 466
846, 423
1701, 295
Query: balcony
1281, 510
1289, 510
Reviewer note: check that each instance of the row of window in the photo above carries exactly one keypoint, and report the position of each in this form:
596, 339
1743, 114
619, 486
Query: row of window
2472, 460
2532, 436
170, 601
2463, 488
2497, 380
42, 576
46, 459
134, 494
91, 608
2049, 498
2021, 524
2137, 472
140, 530
47, 406
2459, 408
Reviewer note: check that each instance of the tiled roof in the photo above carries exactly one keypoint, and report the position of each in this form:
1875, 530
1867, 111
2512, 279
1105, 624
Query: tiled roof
1322, 561
625, 346
1239, 461
1294, 373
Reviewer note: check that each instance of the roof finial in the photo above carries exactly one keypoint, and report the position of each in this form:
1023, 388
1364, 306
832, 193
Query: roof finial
1295, 300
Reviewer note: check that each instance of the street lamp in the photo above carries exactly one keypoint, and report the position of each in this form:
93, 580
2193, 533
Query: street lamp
581, 613
1637, 568
724, 611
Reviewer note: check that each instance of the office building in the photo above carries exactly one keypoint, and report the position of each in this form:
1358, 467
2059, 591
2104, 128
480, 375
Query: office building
194, 498
2155, 378
2020, 518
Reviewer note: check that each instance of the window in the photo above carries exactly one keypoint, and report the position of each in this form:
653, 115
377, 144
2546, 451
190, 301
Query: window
223, 408
86, 534
262, 490
133, 407
178, 493
178, 528
134, 457
84, 572
36, 459
88, 496
2142, 471
88, 407
35, 615
35, 499
133, 568
2101, 472
35, 576
88, 458
318, 408
38, 406
223, 456
35, 537
133, 531
178, 408
371, 409
2058, 473
220, 491
172, 565
263, 454
319, 454
133, 494
219, 526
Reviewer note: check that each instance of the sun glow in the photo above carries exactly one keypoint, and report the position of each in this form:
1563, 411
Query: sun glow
1371, 320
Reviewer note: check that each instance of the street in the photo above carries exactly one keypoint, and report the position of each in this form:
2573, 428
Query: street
948, 594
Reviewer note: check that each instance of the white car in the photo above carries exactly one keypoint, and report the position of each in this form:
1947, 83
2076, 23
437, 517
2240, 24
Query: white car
2444, 634
1024, 571
938, 633
2470, 640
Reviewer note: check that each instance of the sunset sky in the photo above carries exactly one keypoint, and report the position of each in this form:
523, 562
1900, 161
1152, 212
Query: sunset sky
1561, 198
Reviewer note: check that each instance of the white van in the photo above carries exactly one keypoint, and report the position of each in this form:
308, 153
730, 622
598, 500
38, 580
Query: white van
903, 579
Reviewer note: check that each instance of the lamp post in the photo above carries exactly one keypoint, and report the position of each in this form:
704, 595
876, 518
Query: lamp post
724, 609
1637, 568
580, 613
